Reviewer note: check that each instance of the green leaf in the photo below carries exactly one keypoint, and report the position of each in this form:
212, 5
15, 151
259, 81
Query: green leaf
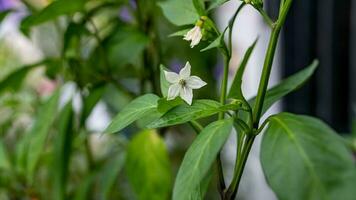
180, 12
164, 83
199, 159
62, 151
164, 105
185, 113
35, 139
236, 87
4, 159
52, 11
109, 175
4, 13
90, 102
287, 86
148, 167
305, 159
218, 42
180, 33
126, 46
216, 3
135, 110
14, 80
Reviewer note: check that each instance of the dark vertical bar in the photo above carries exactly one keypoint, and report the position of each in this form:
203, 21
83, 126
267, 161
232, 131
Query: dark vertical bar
352, 74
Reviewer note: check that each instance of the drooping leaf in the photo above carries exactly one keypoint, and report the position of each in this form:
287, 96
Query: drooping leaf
236, 87
62, 152
303, 158
35, 139
148, 167
163, 81
135, 110
199, 159
180, 12
287, 86
185, 113
14, 80
52, 11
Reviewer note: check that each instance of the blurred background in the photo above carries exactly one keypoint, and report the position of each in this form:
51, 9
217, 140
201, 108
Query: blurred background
105, 50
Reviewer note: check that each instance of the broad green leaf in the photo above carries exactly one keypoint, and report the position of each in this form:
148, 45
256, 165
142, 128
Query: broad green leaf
4, 13
135, 110
163, 81
216, 3
148, 167
185, 113
62, 151
199, 159
305, 159
34, 141
52, 11
287, 86
236, 87
180, 12
164, 105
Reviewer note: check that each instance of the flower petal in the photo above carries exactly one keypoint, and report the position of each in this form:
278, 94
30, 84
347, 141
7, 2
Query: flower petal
185, 72
186, 94
195, 82
173, 91
171, 77
196, 37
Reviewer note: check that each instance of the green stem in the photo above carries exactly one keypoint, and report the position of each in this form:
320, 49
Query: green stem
224, 83
267, 67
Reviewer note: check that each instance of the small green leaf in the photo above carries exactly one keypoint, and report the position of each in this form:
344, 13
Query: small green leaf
135, 110
180, 12
287, 86
180, 33
236, 87
35, 140
148, 167
305, 159
199, 159
62, 152
185, 113
164, 83
52, 11
215, 44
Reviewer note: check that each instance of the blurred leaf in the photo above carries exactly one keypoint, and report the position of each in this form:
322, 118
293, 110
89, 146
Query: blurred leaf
164, 83
135, 110
35, 139
4, 159
216, 3
14, 80
126, 46
199, 7
90, 101
84, 187
287, 86
185, 113
4, 13
180, 12
148, 167
71, 39
305, 159
199, 159
236, 87
62, 151
109, 175
52, 11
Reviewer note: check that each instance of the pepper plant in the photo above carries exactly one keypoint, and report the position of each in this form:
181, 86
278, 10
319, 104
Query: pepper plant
301, 156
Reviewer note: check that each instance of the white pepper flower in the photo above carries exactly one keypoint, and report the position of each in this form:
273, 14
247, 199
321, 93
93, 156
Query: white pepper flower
182, 84
195, 34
